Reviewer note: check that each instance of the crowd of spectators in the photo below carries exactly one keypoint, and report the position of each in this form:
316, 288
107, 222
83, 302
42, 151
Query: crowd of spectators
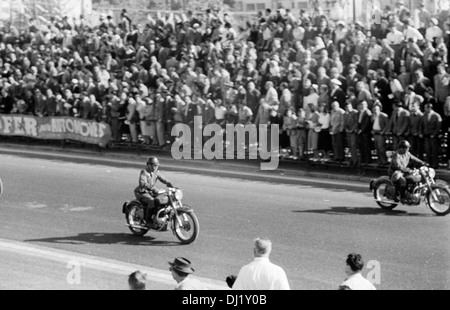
331, 86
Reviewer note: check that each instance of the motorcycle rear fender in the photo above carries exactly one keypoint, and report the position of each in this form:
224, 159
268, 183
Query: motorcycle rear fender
375, 182
126, 205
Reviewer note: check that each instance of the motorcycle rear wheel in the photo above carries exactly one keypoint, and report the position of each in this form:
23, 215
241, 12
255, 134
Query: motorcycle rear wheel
440, 205
135, 220
379, 193
190, 226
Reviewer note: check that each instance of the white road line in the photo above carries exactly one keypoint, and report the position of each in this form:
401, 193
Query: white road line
99, 263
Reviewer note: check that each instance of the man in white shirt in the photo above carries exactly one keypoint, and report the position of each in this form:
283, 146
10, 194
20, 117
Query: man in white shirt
355, 280
434, 31
261, 274
412, 33
374, 49
271, 95
395, 37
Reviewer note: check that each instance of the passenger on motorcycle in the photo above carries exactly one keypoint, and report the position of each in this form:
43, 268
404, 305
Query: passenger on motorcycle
146, 192
400, 171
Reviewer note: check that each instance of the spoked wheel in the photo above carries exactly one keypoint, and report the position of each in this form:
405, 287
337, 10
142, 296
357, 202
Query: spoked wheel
186, 227
135, 220
439, 200
379, 194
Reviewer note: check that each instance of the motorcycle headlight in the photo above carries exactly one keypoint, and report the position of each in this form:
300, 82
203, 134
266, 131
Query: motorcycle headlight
178, 194
432, 173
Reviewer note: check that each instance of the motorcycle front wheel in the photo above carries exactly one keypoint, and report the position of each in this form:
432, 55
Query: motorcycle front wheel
186, 227
379, 193
135, 220
439, 200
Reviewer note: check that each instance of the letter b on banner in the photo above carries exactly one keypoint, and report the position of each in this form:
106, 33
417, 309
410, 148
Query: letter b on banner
74, 275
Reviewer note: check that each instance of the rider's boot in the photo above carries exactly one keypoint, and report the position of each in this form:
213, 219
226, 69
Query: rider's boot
402, 191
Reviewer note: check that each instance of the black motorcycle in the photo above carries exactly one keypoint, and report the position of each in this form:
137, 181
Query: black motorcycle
170, 213
423, 186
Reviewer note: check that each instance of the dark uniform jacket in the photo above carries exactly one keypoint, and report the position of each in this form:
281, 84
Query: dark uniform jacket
432, 126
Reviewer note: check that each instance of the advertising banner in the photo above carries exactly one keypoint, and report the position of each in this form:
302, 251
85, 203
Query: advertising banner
55, 128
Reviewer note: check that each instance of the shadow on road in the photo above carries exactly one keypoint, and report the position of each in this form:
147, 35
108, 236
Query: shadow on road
363, 211
105, 238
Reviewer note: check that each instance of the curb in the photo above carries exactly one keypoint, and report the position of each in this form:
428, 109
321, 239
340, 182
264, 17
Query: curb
228, 167
235, 166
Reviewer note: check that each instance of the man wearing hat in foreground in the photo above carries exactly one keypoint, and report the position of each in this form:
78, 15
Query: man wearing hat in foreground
181, 269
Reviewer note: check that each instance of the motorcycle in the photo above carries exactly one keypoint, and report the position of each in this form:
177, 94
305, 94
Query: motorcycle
170, 212
436, 193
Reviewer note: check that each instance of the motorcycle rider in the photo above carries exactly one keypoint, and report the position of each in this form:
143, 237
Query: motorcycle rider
399, 169
146, 192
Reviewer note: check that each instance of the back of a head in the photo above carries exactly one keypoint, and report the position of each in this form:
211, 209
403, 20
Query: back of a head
355, 262
136, 281
263, 247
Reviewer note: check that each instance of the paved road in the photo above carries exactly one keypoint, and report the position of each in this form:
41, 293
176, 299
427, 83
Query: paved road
76, 207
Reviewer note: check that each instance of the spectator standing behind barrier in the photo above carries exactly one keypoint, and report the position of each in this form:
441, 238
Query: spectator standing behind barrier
364, 132
431, 127
415, 130
182, 270
261, 274
160, 113
380, 122
324, 143
351, 128
355, 281
302, 131
399, 124
290, 126
136, 281
337, 131
441, 87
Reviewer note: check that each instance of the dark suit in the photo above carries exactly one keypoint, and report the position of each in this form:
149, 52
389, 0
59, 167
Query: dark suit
399, 126
379, 135
421, 86
338, 96
352, 81
385, 90
388, 67
323, 81
415, 131
351, 128
431, 127
310, 76
364, 135
373, 65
